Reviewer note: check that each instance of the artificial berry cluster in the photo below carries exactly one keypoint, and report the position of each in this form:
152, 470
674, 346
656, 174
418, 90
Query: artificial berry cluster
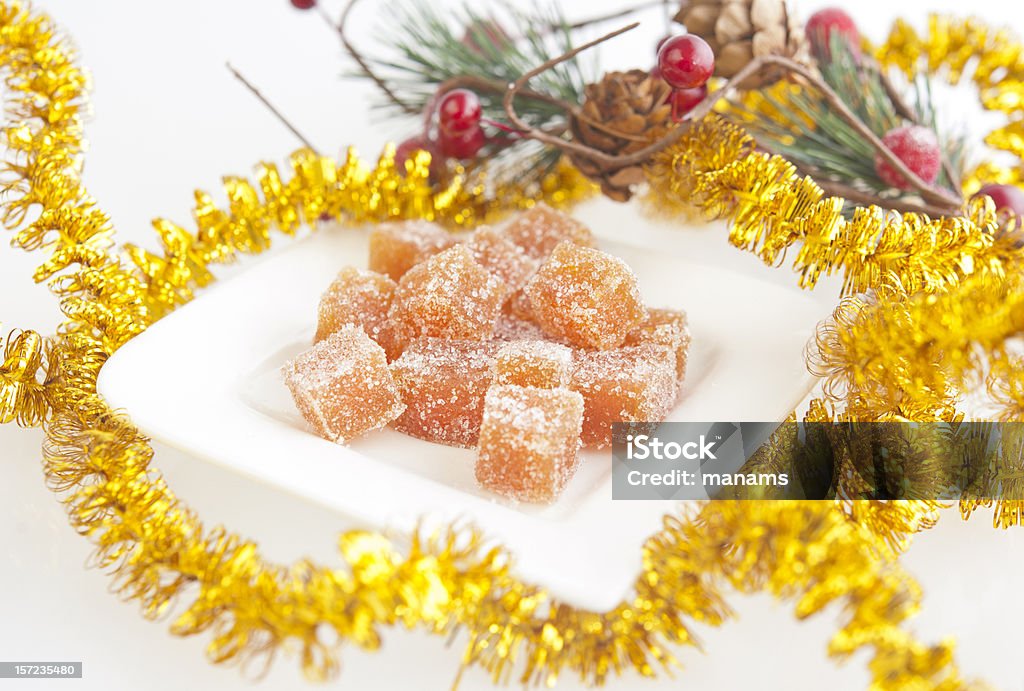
459, 135
686, 63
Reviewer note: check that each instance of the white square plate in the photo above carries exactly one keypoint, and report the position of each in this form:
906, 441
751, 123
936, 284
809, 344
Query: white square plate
215, 365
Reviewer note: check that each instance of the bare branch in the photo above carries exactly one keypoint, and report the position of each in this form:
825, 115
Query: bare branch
273, 109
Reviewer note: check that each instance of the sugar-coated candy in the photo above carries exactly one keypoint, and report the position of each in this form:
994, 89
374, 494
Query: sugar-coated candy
585, 296
628, 384
538, 230
509, 327
529, 442
443, 384
448, 295
542, 364
495, 252
668, 328
355, 297
397, 247
342, 386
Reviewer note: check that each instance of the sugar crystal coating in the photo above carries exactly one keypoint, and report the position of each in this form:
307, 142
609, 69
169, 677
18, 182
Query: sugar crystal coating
666, 327
355, 297
539, 230
342, 385
397, 247
511, 328
585, 296
443, 384
542, 364
529, 442
495, 252
628, 384
449, 296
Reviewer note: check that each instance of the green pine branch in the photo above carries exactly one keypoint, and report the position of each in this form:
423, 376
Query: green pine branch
425, 47
821, 143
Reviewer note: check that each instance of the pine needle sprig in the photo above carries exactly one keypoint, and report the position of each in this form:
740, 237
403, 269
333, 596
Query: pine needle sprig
800, 124
425, 49
429, 48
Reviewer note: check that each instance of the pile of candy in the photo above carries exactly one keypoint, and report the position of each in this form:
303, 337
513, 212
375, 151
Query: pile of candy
524, 342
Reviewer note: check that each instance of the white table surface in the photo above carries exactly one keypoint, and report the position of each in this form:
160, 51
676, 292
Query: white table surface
169, 118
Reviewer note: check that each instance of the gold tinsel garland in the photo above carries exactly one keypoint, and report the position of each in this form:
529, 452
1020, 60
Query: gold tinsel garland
158, 551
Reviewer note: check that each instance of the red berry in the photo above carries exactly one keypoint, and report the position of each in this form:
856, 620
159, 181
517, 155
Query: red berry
656, 72
459, 112
823, 23
686, 61
1007, 198
918, 148
661, 41
464, 145
303, 4
685, 100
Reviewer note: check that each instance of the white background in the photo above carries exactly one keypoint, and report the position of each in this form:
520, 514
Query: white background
169, 118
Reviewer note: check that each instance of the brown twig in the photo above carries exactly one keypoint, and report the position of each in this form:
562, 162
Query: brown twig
517, 86
361, 61
273, 109
600, 19
850, 193
610, 163
854, 194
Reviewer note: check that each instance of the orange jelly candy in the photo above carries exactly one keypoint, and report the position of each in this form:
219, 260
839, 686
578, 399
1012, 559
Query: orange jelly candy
668, 328
538, 230
397, 247
355, 297
585, 296
449, 296
503, 258
543, 364
342, 386
529, 442
443, 384
629, 384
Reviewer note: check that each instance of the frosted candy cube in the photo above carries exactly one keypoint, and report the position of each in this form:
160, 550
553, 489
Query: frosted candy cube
629, 384
538, 230
585, 296
397, 247
503, 258
443, 384
449, 296
355, 297
342, 386
529, 442
668, 328
542, 364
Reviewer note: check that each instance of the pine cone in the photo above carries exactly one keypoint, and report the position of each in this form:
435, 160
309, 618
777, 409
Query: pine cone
740, 30
622, 113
